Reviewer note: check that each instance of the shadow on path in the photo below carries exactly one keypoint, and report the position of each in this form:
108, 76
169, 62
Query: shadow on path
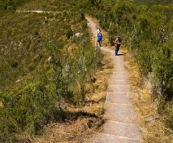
120, 55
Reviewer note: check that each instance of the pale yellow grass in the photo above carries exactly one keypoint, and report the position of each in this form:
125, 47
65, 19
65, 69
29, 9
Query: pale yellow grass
150, 122
69, 132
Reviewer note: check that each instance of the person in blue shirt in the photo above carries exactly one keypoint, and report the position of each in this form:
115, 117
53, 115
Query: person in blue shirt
99, 38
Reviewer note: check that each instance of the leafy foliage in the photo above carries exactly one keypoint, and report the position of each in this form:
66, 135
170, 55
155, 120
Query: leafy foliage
44, 65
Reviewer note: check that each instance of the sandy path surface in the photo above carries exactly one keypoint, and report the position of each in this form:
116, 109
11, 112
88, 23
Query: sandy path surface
121, 122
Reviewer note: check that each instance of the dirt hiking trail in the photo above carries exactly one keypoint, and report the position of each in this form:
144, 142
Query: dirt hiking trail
121, 121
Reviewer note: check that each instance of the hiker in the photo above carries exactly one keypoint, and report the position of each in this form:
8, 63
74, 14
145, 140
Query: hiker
99, 37
117, 44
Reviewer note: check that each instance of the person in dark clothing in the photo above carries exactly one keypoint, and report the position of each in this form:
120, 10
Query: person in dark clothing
117, 44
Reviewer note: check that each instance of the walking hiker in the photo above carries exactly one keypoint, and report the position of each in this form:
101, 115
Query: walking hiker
117, 44
99, 38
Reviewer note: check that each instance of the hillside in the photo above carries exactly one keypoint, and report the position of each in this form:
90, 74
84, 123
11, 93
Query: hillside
153, 2
51, 74
48, 66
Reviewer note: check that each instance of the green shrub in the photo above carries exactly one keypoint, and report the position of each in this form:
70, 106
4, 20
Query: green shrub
29, 108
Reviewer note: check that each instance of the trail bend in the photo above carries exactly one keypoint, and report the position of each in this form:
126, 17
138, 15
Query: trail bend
121, 121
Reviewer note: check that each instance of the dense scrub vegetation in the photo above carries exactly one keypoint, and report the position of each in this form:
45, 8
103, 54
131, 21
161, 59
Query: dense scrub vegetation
44, 64
153, 2
7, 6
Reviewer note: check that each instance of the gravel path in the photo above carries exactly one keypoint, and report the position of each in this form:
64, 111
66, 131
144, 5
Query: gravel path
120, 125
